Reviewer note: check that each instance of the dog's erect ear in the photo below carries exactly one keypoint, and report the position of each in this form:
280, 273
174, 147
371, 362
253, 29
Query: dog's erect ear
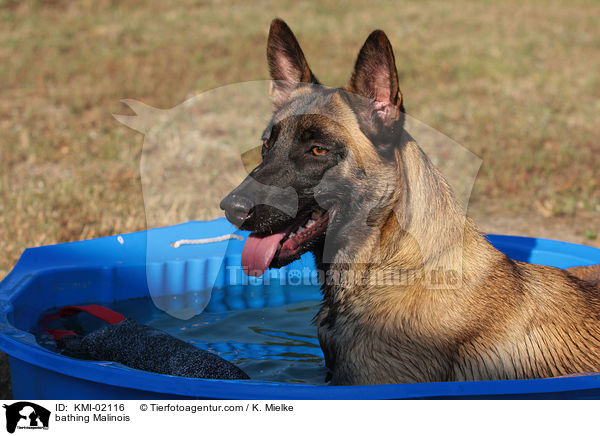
375, 78
287, 64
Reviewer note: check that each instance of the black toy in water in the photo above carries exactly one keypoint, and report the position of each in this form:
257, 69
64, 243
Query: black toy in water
139, 346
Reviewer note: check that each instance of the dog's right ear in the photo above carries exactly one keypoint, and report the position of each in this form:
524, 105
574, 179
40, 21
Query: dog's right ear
375, 80
287, 64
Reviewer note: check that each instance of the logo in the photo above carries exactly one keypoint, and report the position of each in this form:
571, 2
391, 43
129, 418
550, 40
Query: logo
26, 415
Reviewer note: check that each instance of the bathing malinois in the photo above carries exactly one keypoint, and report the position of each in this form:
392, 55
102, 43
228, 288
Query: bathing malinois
380, 220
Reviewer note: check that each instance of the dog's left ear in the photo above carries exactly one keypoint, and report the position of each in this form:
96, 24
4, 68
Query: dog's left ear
287, 64
375, 80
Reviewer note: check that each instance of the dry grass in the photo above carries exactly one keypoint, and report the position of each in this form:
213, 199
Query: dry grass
516, 83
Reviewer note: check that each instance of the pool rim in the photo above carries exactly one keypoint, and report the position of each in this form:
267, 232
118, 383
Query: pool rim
116, 375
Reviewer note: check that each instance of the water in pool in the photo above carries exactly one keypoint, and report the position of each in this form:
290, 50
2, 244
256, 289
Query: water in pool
276, 343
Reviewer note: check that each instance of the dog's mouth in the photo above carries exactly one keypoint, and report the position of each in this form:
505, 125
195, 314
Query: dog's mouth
278, 249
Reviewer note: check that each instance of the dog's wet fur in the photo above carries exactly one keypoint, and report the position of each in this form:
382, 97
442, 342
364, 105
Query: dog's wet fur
389, 209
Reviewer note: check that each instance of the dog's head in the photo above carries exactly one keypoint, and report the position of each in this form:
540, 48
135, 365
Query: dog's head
328, 154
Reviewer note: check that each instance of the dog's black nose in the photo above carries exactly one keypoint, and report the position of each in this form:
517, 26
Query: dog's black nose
237, 209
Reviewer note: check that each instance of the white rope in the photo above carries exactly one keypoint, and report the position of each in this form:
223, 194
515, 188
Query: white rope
181, 242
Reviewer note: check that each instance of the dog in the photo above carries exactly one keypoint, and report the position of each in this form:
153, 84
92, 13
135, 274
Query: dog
369, 201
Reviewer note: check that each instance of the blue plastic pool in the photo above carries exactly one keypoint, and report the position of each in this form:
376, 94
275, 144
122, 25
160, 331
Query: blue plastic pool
114, 269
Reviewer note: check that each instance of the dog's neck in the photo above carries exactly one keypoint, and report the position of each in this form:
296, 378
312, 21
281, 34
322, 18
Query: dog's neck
420, 242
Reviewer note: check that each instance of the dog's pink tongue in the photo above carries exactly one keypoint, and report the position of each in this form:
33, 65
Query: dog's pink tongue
258, 253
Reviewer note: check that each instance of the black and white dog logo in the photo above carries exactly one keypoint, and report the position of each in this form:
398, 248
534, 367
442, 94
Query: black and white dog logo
26, 415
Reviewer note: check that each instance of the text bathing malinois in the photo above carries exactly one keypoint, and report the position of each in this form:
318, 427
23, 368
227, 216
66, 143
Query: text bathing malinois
369, 201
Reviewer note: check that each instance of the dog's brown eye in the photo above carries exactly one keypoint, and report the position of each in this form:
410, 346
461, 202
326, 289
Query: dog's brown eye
266, 144
319, 151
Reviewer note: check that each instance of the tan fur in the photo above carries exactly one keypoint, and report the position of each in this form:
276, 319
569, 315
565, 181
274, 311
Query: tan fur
413, 291
588, 273
502, 319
